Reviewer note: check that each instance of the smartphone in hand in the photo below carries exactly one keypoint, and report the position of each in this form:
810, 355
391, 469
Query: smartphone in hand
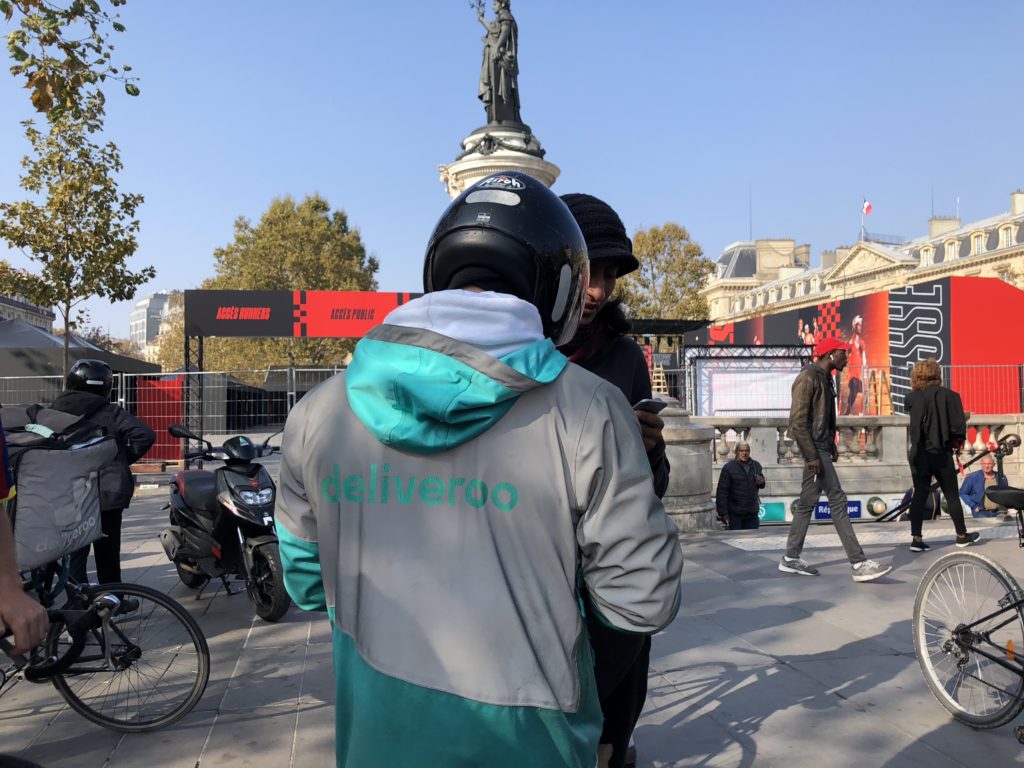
650, 405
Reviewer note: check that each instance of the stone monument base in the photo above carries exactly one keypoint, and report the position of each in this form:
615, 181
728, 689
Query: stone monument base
496, 148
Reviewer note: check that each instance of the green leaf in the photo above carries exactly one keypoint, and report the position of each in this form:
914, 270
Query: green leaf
131, 89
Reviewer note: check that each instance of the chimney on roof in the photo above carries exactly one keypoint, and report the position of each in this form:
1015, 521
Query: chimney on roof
940, 225
1017, 202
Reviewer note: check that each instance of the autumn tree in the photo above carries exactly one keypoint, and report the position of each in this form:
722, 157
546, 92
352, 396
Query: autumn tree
76, 228
295, 246
63, 50
672, 273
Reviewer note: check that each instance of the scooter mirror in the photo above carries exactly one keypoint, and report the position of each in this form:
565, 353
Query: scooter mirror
179, 431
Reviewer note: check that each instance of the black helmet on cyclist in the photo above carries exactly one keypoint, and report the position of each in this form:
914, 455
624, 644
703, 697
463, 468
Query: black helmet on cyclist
91, 376
510, 233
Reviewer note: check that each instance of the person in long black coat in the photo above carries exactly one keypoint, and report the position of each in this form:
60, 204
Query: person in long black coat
602, 347
938, 427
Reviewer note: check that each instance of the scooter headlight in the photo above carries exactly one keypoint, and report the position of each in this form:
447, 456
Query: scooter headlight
262, 496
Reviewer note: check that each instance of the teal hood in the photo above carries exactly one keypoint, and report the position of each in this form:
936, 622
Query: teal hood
424, 392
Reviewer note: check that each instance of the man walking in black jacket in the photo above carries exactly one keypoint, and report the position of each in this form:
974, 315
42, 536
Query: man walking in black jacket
736, 498
812, 424
87, 395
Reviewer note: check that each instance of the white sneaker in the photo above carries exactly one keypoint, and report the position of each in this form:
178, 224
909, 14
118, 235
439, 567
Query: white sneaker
797, 566
869, 570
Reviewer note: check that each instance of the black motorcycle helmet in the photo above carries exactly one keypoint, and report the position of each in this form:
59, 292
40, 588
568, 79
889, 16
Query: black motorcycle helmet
510, 233
91, 376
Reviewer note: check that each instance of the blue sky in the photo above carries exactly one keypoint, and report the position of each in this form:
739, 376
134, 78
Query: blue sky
670, 111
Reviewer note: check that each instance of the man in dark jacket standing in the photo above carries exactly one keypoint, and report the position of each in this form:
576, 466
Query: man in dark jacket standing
736, 498
812, 424
87, 395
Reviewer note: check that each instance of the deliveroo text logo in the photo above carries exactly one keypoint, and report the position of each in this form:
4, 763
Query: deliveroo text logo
380, 487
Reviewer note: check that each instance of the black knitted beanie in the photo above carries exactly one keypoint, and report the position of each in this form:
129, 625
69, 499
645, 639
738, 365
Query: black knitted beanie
603, 230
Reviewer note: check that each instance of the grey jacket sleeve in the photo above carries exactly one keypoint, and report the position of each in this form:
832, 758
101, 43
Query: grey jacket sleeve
297, 527
630, 554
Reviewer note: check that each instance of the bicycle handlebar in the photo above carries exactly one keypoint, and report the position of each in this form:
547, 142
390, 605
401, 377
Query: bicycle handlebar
6, 646
52, 666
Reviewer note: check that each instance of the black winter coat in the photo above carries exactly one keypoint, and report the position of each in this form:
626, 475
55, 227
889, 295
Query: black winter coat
133, 437
737, 489
937, 420
617, 359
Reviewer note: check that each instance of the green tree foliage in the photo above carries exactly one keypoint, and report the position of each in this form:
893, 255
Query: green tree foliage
295, 246
76, 228
672, 273
63, 51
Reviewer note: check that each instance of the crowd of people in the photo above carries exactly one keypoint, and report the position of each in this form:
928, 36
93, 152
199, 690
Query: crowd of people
520, 501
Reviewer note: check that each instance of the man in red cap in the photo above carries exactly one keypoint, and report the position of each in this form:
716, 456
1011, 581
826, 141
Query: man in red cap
812, 424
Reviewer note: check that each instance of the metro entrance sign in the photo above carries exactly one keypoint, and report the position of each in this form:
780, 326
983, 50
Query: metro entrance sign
297, 314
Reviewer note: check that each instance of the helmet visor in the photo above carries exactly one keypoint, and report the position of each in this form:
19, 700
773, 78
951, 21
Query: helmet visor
575, 310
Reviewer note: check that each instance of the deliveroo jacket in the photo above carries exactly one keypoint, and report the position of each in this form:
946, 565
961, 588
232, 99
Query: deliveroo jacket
443, 500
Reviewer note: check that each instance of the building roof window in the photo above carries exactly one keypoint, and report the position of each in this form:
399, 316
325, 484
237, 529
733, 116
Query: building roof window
1006, 236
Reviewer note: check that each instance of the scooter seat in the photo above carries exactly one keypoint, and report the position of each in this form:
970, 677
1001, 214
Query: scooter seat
198, 489
1011, 498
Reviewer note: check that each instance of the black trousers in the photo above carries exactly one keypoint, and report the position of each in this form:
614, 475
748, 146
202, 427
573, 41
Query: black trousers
621, 660
106, 549
923, 468
743, 522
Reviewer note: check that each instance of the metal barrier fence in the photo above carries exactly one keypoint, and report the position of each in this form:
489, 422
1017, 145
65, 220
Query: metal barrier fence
233, 402
258, 400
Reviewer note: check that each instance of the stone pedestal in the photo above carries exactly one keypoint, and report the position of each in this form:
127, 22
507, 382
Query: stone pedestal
493, 149
688, 500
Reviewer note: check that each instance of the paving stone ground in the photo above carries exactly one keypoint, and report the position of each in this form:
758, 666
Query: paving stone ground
760, 670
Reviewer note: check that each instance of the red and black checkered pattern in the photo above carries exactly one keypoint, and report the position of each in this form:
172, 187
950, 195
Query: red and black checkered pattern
829, 317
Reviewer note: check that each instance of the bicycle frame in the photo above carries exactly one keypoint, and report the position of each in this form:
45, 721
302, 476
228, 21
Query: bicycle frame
1004, 447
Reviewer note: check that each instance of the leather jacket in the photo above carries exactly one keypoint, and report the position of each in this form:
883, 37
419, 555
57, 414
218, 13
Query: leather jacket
812, 414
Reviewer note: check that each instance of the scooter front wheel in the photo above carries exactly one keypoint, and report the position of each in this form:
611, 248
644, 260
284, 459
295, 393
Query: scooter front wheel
266, 585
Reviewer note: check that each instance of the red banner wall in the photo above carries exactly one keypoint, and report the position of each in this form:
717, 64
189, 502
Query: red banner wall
985, 314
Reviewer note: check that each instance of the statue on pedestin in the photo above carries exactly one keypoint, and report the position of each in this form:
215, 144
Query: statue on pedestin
499, 82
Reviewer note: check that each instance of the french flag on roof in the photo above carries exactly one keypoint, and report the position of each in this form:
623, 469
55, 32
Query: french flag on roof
866, 208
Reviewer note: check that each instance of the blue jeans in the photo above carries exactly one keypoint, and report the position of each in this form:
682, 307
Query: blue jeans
968, 504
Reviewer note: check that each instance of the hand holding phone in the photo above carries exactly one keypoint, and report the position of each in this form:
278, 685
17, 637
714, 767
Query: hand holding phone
650, 405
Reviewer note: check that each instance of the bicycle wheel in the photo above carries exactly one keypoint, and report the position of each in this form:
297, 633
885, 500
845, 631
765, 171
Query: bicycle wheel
159, 663
964, 605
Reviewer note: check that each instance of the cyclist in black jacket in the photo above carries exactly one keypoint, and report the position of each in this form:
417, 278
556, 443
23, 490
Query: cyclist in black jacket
87, 394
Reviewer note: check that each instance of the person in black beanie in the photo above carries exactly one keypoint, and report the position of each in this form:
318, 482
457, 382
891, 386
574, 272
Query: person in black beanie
601, 346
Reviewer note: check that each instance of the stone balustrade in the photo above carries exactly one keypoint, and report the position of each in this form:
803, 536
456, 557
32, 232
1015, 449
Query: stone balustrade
862, 439
872, 456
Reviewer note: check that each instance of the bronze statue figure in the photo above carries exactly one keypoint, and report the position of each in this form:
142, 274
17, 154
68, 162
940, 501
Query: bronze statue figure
499, 86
